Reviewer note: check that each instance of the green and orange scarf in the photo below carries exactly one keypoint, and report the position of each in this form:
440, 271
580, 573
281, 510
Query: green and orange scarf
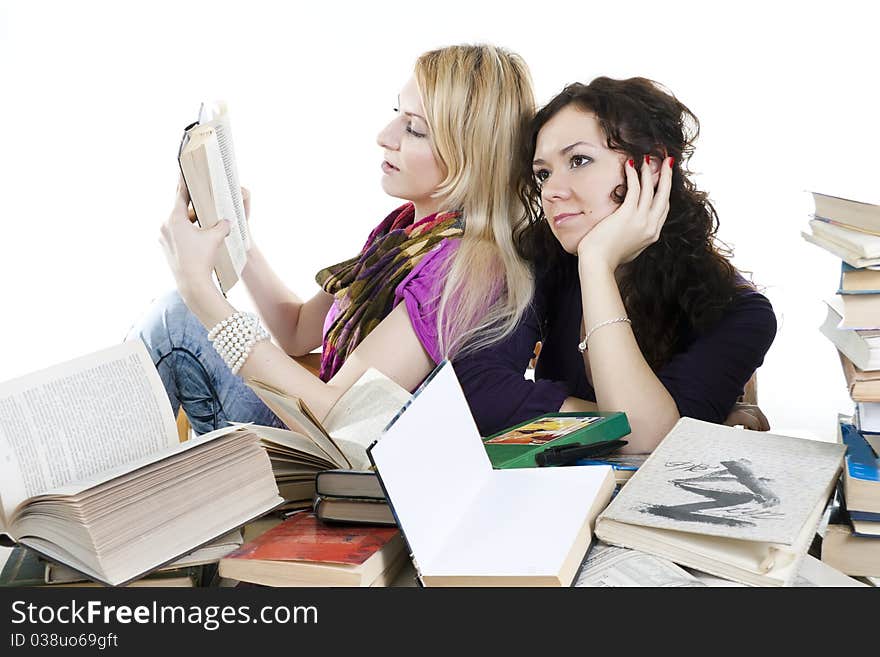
364, 286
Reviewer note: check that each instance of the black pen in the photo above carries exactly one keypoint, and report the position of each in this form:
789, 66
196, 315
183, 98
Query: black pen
565, 454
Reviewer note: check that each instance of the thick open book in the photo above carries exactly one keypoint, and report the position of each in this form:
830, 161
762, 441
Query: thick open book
467, 524
207, 162
339, 442
743, 505
92, 473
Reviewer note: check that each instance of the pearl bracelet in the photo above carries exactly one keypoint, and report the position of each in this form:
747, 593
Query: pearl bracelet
582, 346
235, 336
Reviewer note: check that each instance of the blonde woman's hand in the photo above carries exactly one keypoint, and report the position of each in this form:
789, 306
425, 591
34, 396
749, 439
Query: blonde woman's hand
189, 249
635, 225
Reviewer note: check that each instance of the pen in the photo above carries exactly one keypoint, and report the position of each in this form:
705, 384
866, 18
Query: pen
566, 454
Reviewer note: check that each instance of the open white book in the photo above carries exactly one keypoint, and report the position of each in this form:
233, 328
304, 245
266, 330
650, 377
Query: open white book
469, 525
207, 162
742, 505
93, 476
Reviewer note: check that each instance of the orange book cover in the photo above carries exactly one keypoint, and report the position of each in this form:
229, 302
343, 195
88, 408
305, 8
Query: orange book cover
305, 538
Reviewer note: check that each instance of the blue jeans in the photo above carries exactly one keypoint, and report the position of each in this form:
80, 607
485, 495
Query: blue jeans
193, 373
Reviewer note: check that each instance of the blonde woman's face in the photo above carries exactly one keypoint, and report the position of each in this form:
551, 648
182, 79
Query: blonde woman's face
409, 169
577, 174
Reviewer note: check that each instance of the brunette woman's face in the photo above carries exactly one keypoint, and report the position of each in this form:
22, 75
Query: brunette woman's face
410, 170
576, 173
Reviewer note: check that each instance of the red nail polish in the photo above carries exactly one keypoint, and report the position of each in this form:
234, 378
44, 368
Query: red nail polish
647, 159
631, 163
671, 162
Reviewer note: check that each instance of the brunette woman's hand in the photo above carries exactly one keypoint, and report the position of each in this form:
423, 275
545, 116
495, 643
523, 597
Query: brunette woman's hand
635, 225
189, 249
748, 416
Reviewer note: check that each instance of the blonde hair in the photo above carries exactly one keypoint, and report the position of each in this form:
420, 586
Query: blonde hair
478, 100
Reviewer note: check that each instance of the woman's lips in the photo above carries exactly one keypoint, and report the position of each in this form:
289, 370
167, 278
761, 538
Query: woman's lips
387, 167
563, 217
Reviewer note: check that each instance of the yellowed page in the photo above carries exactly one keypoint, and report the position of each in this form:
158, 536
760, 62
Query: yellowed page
75, 420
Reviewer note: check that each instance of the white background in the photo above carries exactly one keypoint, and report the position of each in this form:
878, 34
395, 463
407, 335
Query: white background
93, 97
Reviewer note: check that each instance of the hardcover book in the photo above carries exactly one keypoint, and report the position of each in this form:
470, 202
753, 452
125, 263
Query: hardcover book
468, 524
349, 483
861, 476
518, 446
738, 504
859, 281
855, 215
302, 551
354, 510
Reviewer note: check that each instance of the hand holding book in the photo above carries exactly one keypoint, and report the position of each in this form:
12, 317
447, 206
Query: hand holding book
189, 249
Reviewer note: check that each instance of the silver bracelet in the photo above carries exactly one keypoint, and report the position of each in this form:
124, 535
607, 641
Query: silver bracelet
582, 346
234, 337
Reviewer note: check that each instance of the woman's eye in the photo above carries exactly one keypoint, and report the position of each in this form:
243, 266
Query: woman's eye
541, 175
579, 161
414, 133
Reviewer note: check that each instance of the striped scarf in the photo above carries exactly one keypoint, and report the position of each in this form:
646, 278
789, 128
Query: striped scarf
364, 286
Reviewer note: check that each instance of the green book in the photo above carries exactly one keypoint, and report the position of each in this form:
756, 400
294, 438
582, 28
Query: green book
517, 446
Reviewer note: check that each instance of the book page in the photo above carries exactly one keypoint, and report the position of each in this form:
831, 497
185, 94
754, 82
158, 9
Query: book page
363, 412
289, 411
522, 522
432, 462
610, 566
77, 419
225, 202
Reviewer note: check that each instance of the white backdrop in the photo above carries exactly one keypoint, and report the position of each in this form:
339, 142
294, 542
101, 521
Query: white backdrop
94, 97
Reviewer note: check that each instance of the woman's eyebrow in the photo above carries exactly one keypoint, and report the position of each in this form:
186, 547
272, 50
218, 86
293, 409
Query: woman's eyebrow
577, 143
564, 151
403, 111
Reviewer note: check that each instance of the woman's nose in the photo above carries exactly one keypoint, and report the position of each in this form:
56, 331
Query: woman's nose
389, 137
555, 189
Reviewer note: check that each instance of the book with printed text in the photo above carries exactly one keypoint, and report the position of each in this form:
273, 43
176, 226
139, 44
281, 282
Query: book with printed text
93, 474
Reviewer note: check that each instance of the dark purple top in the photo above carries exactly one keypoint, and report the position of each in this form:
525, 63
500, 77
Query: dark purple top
705, 377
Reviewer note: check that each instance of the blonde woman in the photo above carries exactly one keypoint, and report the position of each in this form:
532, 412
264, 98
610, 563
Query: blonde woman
438, 277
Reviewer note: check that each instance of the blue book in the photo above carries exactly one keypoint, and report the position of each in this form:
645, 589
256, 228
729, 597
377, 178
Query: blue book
861, 477
858, 280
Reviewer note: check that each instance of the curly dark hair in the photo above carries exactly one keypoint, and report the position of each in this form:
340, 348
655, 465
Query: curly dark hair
684, 280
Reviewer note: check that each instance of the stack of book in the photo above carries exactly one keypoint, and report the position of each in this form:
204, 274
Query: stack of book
852, 539
850, 230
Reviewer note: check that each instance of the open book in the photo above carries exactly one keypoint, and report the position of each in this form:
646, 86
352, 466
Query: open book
92, 473
738, 504
467, 524
207, 162
339, 442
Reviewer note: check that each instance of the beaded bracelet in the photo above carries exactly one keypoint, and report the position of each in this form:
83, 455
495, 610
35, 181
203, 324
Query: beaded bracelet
234, 337
582, 346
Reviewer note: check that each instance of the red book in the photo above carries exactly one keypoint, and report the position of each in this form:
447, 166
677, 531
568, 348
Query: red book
302, 551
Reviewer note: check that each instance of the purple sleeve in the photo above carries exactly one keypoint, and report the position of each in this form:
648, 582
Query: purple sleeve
492, 378
707, 378
493, 381
420, 291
